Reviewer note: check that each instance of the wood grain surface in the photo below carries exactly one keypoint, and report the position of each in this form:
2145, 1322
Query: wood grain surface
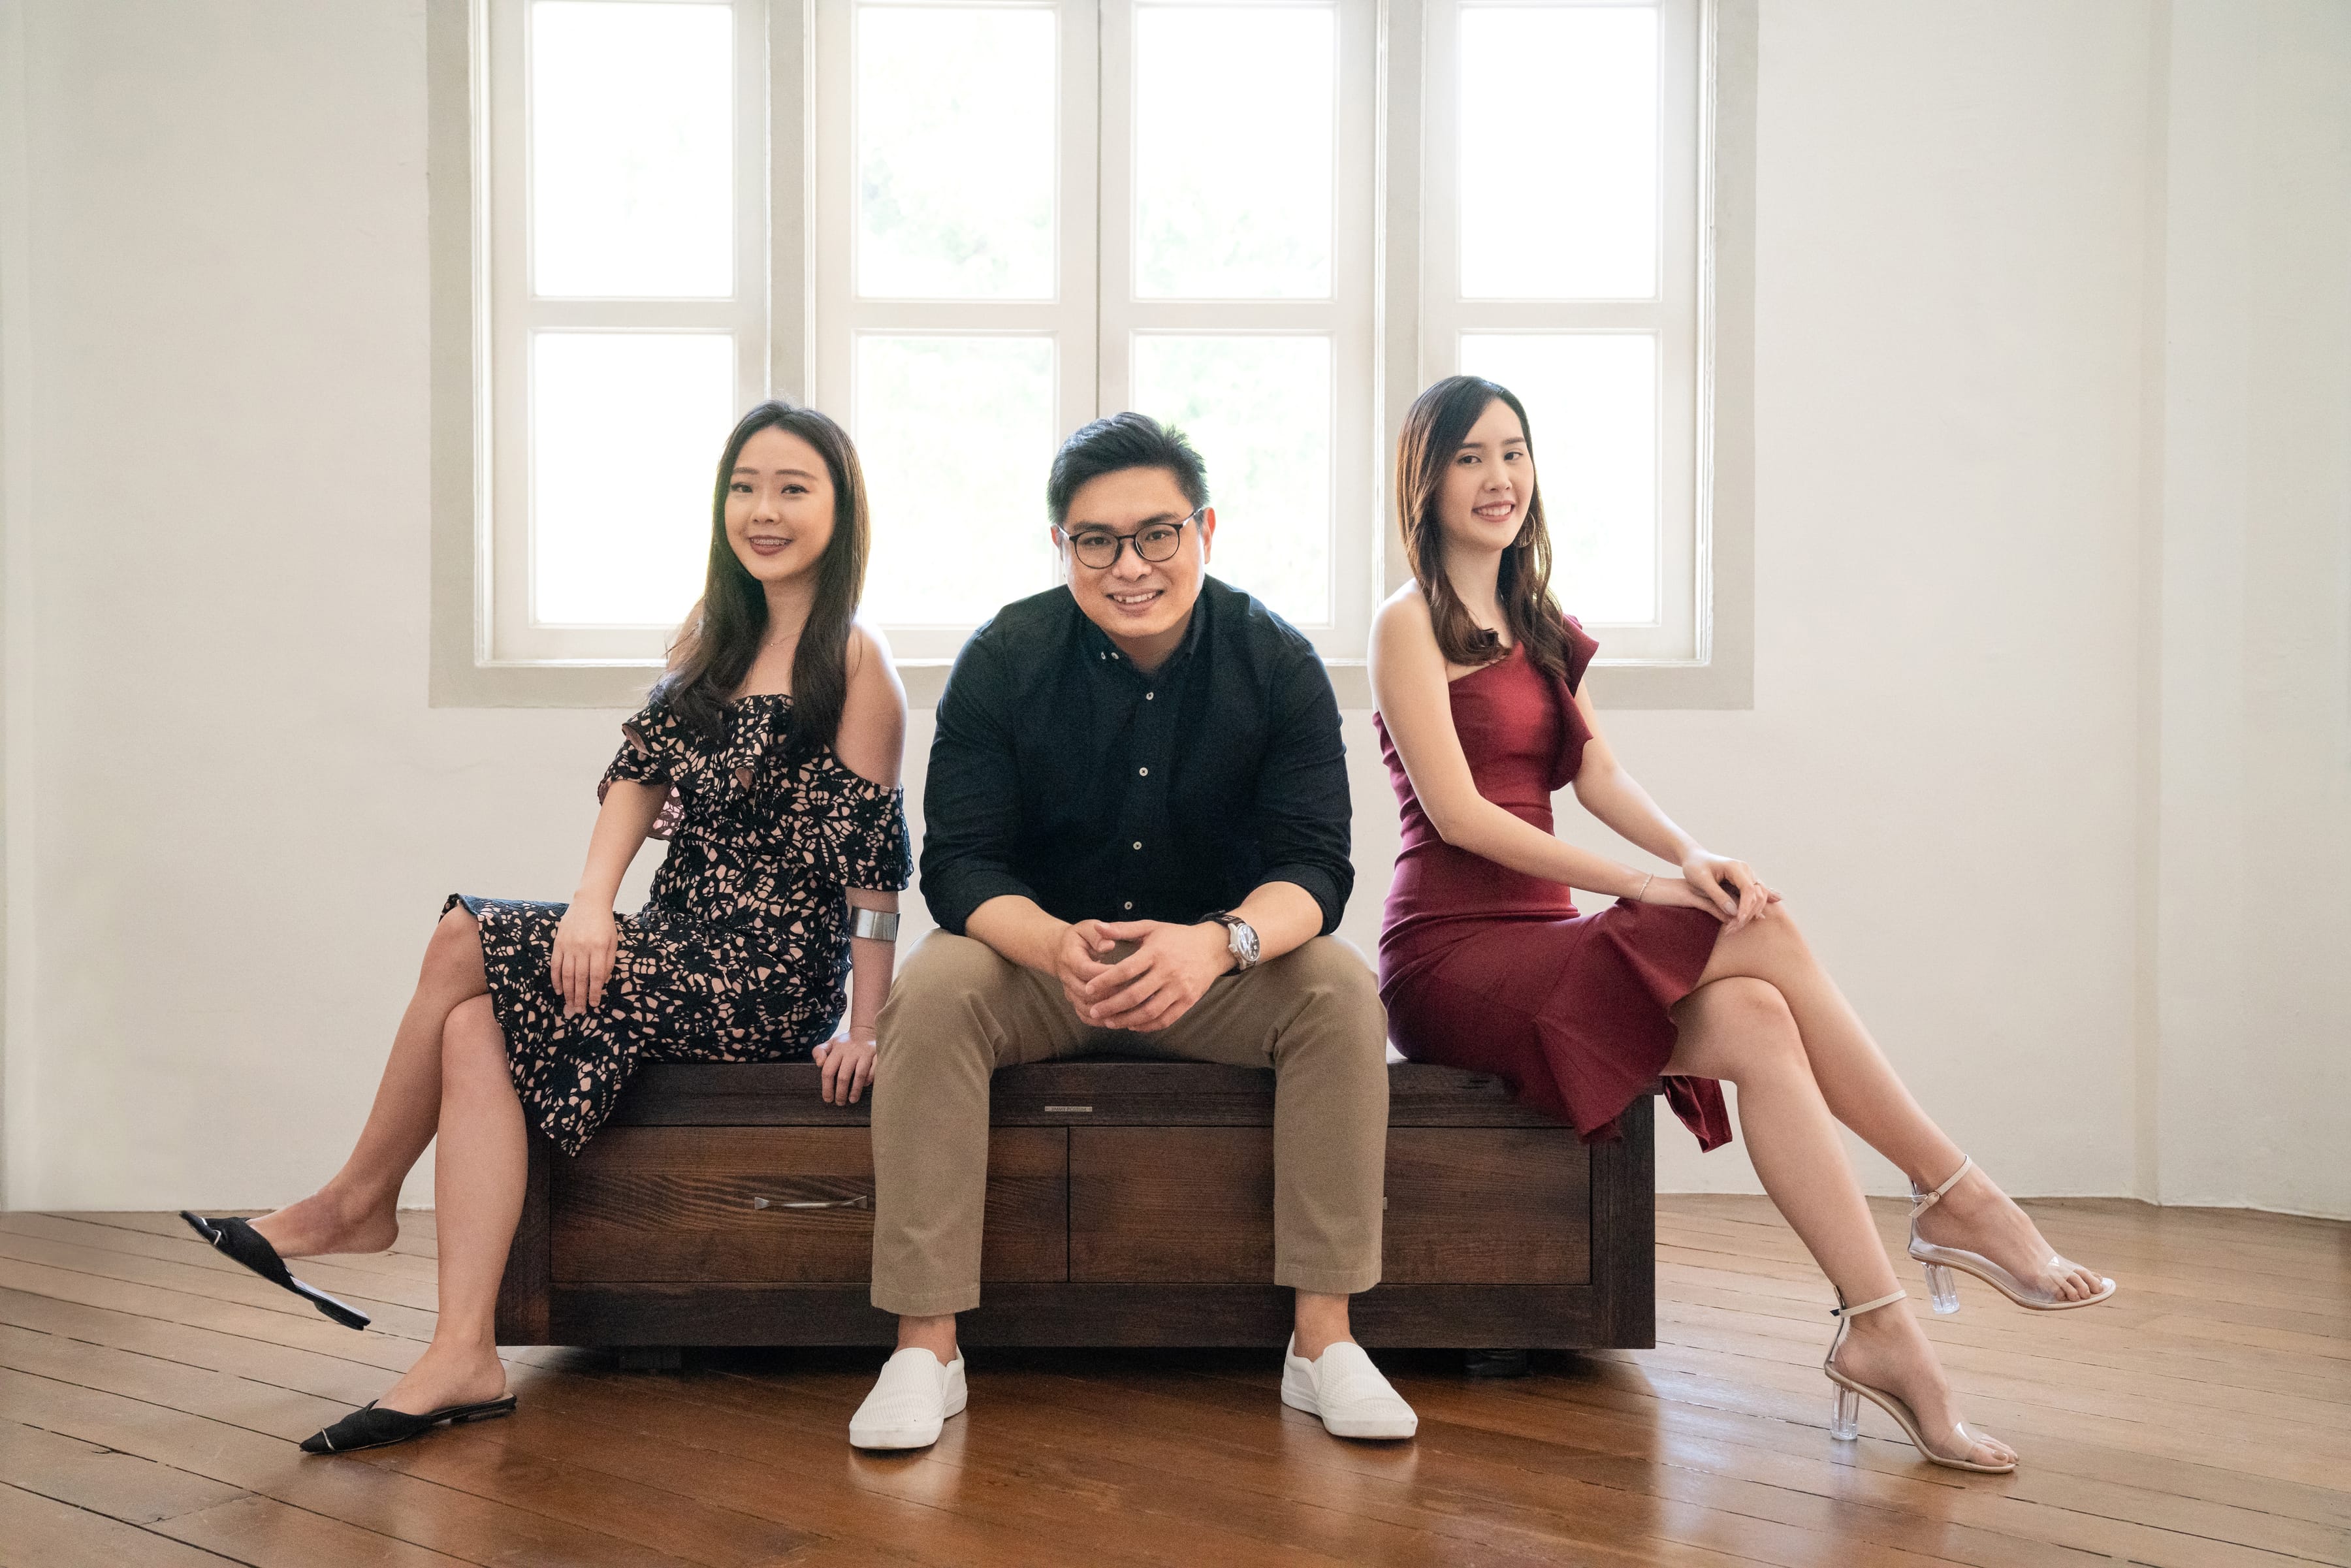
151, 1393
1480, 1205
1110, 1089
727, 1205
780, 1204
1185, 1205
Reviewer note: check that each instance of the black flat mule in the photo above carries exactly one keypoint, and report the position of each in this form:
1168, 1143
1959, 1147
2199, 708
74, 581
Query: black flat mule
237, 1239
372, 1426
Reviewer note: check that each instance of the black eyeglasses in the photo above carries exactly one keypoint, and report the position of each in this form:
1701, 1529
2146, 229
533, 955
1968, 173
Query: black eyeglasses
1099, 548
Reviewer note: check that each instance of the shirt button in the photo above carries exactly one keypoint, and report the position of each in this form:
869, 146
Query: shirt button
1128, 904
1138, 844
1143, 772
1148, 696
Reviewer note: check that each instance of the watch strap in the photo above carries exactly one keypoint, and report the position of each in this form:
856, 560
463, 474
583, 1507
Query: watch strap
1245, 955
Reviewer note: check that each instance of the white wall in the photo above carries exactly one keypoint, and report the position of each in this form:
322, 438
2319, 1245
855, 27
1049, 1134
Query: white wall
2250, 612
241, 816
1987, 524
1940, 770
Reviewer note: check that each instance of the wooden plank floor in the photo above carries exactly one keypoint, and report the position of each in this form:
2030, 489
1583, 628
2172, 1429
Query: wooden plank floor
150, 1394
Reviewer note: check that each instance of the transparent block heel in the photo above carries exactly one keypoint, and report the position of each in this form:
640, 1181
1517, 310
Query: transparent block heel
1944, 1263
1953, 1446
1943, 1289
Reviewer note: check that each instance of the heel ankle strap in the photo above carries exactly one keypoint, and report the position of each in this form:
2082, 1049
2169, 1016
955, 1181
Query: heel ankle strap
1842, 1310
1920, 1202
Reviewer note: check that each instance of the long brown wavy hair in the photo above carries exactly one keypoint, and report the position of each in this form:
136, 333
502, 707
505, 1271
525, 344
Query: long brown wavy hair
721, 637
1439, 419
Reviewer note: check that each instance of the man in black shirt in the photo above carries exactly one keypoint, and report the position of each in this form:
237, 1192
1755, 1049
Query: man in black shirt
1135, 838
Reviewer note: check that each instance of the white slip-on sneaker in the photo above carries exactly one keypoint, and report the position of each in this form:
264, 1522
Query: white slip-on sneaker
911, 1401
1347, 1391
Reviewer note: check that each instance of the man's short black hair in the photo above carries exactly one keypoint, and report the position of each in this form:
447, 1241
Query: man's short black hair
1123, 441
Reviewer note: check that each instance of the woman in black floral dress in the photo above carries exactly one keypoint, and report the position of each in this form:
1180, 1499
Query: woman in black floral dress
769, 756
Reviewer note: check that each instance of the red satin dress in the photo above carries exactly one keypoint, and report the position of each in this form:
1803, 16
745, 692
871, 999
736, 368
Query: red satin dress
1489, 969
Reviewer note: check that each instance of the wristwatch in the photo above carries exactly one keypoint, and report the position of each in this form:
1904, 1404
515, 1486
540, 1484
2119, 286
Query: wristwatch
1241, 938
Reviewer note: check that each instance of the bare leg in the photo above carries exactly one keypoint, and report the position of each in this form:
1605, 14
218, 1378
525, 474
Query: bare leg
1741, 1029
1862, 1090
355, 1212
479, 1176
935, 1334
1319, 1321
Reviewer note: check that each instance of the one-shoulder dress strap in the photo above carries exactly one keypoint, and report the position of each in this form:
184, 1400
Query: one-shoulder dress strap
1573, 733
1581, 646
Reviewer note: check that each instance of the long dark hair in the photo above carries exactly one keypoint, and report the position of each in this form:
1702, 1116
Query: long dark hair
1433, 432
721, 637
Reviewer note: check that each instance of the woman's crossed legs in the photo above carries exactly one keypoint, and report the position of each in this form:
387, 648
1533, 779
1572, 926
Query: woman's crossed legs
1766, 1016
447, 1076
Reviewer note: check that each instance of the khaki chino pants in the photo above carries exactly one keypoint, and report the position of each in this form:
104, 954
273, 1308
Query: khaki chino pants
960, 1010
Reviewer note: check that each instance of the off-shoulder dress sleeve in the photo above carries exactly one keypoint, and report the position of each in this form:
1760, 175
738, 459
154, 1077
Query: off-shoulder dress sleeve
652, 751
864, 825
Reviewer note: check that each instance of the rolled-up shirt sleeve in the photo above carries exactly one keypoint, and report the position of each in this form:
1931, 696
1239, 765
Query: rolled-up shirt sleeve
1304, 815
971, 797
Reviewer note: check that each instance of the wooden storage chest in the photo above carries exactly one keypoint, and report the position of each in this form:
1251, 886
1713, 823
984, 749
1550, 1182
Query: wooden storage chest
1128, 1203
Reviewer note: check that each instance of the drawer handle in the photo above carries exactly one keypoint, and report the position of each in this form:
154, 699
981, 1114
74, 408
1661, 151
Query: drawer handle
862, 1200
1070, 1110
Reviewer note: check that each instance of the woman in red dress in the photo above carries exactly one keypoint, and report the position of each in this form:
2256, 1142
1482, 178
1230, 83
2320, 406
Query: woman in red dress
1698, 975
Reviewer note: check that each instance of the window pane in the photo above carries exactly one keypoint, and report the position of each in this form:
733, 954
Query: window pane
1591, 398
956, 434
1232, 152
955, 152
1259, 408
1559, 186
626, 430
632, 150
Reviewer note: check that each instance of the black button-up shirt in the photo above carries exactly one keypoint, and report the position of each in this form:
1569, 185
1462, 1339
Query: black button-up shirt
1061, 773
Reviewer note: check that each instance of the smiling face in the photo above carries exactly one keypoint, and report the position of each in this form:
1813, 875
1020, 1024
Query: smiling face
779, 506
1142, 605
1489, 483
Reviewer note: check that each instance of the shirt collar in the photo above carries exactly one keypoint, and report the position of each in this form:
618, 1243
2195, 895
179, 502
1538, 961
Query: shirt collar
1102, 650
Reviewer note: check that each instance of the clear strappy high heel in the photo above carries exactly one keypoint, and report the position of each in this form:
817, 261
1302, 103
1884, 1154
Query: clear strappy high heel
1944, 1288
1851, 1392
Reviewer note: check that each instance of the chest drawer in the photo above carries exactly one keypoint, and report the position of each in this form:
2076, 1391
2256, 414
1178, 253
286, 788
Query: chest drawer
780, 1205
1464, 1205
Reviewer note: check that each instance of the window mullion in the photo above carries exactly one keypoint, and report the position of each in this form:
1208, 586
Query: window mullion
1113, 245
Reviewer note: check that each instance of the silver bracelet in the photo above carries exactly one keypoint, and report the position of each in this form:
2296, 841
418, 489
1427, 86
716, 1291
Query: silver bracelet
875, 924
1645, 887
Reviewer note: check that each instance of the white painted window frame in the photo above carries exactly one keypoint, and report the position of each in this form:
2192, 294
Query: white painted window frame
1346, 317
1096, 315
1675, 315
469, 671
510, 632
842, 315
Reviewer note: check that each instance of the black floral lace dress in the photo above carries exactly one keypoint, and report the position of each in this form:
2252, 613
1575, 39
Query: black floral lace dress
742, 952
